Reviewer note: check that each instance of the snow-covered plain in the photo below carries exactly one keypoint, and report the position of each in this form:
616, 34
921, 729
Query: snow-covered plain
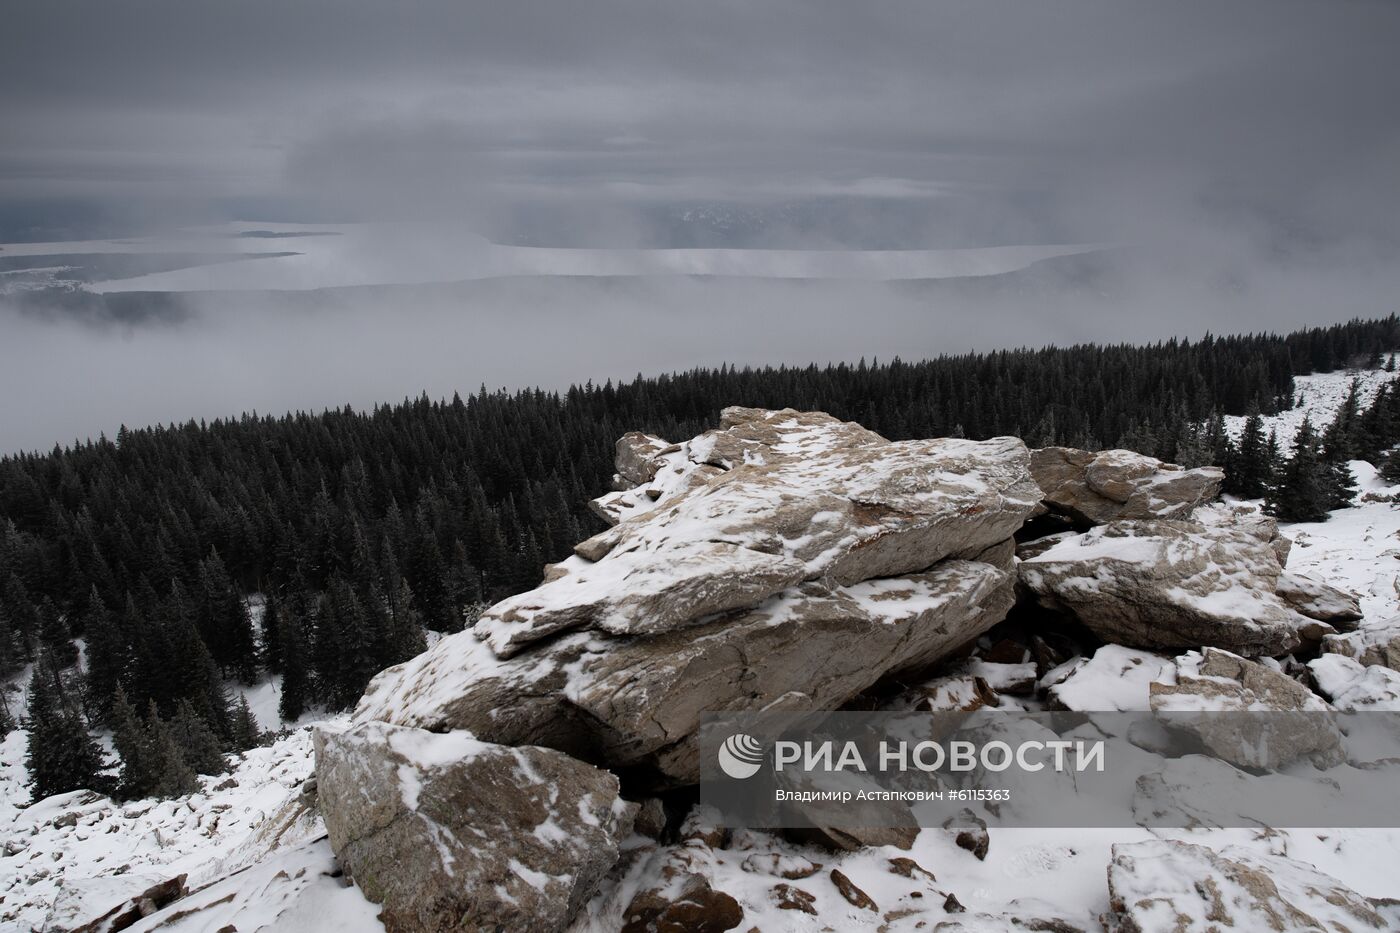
256, 862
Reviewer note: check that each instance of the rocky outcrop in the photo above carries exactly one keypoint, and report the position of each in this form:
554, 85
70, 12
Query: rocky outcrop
1163, 885
1287, 721
831, 507
820, 561
1178, 584
451, 833
1094, 488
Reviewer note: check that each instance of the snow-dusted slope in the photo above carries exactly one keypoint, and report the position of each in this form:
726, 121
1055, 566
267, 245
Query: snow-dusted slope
1318, 397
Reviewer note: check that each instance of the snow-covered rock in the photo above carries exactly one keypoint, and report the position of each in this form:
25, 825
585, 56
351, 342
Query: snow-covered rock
837, 503
821, 560
1370, 644
1093, 488
1291, 722
635, 700
1318, 600
449, 832
1171, 585
1350, 685
1166, 885
1115, 679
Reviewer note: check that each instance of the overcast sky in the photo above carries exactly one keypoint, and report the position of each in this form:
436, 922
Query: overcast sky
1287, 109
1245, 154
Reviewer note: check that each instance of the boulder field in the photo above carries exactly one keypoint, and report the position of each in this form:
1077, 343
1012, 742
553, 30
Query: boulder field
792, 561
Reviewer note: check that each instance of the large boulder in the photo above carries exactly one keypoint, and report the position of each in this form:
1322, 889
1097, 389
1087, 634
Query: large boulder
450, 833
1174, 585
795, 511
817, 561
1286, 721
1093, 488
629, 700
1165, 885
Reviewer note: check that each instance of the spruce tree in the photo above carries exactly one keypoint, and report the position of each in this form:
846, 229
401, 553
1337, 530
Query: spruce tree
1250, 471
173, 775
1300, 495
246, 733
295, 672
133, 744
198, 744
61, 755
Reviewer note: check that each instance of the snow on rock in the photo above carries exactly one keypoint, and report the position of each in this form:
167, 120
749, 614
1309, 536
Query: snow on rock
802, 497
1351, 685
1172, 585
1372, 644
1115, 679
1215, 681
439, 827
635, 700
818, 560
1093, 488
1167, 885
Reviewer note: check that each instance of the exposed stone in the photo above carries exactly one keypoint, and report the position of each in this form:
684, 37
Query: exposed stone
969, 833
1164, 885
788, 897
638, 456
908, 868
1095, 488
851, 892
1286, 722
651, 818
684, 902
447, 832
1170, 585
87, 906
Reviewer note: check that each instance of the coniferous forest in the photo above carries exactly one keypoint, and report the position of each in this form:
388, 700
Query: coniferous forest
360, 529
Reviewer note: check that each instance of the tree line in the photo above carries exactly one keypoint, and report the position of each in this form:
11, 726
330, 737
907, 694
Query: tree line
359, 530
